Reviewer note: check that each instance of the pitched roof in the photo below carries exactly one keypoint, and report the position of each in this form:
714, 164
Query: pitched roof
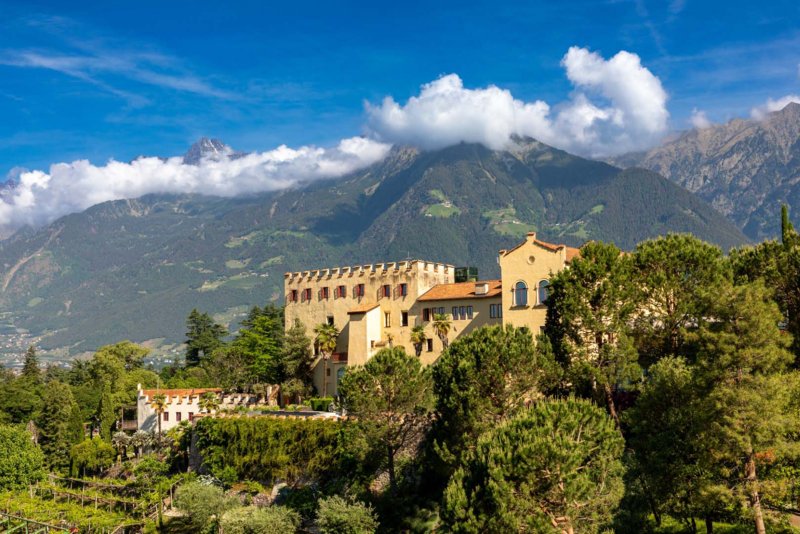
572, 252
461, 290
363, 308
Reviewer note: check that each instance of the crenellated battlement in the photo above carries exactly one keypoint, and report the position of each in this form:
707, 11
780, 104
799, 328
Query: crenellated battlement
408, 267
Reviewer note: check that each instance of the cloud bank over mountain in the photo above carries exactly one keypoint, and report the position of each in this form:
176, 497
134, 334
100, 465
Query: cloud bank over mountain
40, 197
759, 112
617, 105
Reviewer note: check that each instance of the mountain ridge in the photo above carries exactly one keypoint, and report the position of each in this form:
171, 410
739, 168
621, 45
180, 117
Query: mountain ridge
745, 168
135, 268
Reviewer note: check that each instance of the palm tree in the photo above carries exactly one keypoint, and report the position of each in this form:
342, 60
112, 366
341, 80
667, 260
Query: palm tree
139, 440
208, 402
121, 440
418, 338
441, 325
327, 337
159, 404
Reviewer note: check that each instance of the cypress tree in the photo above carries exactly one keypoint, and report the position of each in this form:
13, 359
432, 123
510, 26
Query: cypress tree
787, 229
31, 370
55, 435
106, 415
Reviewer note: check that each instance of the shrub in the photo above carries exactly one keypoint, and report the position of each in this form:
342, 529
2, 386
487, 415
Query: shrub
320, 404
200, 502
252, 520
338, 516
91, 457
20, 461
267, 449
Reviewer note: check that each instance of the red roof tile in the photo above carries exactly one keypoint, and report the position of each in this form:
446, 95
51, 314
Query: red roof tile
461, 290
363, 308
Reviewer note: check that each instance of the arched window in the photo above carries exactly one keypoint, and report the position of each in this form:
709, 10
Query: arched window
520, 294
544, 291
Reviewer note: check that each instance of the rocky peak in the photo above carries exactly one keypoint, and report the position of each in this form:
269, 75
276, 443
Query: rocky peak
206, 148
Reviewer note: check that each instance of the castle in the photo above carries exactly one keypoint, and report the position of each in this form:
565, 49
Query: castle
376, 306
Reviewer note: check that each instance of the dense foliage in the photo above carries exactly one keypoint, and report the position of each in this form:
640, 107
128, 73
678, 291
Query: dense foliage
21, 461
268, 449
664, 391
554, 468
338, 516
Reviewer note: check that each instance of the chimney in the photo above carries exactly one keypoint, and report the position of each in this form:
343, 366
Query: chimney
532, 235
481, 288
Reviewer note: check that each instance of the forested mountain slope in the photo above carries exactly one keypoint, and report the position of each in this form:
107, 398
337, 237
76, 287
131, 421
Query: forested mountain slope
135, 268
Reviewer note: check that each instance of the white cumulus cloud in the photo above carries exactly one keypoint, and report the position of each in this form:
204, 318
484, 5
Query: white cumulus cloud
39, 197
699, 119
617, 105
759, 112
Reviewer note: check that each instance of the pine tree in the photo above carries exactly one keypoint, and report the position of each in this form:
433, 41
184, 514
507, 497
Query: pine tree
483, 378
297, 359
30, 369
589, 310
203, 336
392, 393
261, 342
553, 469
743, 370
672, 277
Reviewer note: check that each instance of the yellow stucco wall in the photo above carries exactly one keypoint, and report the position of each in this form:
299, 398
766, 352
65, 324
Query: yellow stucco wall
460, 327
378, 321
530, 262
362, 342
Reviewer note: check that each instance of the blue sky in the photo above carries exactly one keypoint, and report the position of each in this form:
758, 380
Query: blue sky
121, 79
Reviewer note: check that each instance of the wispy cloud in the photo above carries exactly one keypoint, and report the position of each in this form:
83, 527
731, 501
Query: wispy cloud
110, 64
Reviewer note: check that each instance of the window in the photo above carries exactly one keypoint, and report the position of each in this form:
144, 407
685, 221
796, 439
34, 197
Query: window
404, 318
191, 416
293, 295
328, 371
307, 294
386, 291
358, 290
166, 416
387, 319
341, 292
330, 320
462, 312
495, 311
520, 294
178, 417
340, 374
455, 313
544, 291
426, 314
430, 345
323, 293
403, 290
469, 312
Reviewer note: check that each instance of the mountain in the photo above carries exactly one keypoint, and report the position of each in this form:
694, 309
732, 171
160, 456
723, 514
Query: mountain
746, 168
133, 269
212, 149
